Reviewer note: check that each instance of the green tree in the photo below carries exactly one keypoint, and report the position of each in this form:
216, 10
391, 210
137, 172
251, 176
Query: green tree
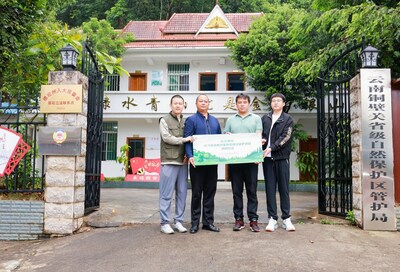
38, 53
17, 19
287, 49
142, 10
139, 10
325, 5
264, 53
327, 35
239, 6
105, 37
74, 12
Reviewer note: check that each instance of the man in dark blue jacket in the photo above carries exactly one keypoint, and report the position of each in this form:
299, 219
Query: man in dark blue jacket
277, 134
203, 178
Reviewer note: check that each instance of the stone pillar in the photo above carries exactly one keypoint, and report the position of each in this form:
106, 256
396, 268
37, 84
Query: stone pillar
356, 135
65, 175
372, 149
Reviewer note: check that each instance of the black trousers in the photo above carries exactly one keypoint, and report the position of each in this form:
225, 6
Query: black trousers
277, 172
204, 185
244, 174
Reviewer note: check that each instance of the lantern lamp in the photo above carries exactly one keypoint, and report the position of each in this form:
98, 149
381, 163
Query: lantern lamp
369, 57
68, 57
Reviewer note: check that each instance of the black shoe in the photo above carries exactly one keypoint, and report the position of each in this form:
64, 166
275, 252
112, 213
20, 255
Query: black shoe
211, 227
194, 229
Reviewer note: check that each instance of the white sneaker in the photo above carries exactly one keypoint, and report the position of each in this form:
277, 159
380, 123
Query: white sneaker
287, 225
178, 226
166, 228
272, 225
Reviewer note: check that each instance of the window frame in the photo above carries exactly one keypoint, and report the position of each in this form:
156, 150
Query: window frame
177, 74
242, 74
132, 77
109, 147
215, 74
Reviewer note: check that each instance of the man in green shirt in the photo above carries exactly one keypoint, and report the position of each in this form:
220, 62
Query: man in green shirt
244, 173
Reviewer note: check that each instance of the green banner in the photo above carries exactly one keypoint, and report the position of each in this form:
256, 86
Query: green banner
227, 148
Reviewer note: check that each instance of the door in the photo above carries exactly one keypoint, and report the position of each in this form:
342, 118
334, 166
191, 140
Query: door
137, 149
309, 146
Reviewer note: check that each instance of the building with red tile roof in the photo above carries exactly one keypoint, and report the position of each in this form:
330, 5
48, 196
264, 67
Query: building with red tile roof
185, 55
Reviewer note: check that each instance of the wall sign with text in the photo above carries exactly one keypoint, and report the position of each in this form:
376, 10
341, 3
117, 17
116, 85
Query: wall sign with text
377, 150
61, 98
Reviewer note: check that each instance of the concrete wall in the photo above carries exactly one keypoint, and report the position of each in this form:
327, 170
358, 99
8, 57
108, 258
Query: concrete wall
21, 220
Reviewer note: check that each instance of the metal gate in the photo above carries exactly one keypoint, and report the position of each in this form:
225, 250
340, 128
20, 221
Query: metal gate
334, 135
94, 127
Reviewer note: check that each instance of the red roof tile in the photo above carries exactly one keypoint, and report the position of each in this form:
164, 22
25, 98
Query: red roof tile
181, 28
163, 44
191, 22
145, 29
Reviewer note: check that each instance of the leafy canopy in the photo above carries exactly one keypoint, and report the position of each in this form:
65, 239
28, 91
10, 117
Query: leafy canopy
288, 47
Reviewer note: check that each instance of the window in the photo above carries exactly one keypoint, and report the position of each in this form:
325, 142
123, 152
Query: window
235, 81
178, 77
111, 82
109, 143
208, 81
138, 82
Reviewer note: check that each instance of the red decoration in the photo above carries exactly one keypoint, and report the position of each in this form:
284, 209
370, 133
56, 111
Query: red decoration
19, 153
14, 147
144, 170
148, 165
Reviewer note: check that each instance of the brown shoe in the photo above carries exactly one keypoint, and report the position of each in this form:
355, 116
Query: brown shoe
254, 226
239, 225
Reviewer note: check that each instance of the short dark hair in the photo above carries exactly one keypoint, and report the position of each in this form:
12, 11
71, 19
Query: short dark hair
278, 95
176, 96
243, 96
197, 98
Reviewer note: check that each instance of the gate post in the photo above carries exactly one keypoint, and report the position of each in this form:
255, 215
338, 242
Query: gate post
65, 175
372, 150
355, 126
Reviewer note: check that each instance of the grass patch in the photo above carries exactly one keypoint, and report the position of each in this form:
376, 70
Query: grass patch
325, 221
22, 196
114, 179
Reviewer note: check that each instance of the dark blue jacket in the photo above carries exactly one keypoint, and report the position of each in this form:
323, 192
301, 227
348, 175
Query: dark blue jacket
197, 124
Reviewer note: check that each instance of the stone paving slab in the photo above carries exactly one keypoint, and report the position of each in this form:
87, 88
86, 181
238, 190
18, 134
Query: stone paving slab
122, 206
138, 245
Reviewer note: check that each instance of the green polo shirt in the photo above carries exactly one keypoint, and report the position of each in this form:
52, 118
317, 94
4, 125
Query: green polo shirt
250, 123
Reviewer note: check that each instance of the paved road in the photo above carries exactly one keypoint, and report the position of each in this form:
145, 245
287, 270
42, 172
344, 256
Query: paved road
138, 245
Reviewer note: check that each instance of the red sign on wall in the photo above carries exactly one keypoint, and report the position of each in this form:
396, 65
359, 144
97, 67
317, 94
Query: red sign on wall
144, 170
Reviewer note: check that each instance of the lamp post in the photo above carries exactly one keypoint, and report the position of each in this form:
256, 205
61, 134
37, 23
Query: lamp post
369, 57
68, 57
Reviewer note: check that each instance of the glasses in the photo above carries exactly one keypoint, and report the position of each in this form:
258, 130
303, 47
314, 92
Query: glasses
276, 100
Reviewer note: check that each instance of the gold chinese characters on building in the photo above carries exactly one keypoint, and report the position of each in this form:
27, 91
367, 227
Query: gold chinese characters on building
61, 98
